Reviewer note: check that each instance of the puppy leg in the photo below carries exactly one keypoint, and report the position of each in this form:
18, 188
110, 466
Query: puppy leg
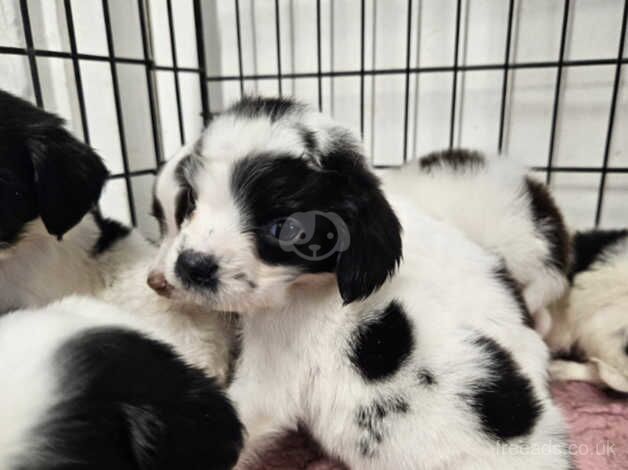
569, 370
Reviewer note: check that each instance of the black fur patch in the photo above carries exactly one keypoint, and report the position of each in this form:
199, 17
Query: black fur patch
510, 284
455, 159
309, 139
381, 346
273, 108
110, 232
157, 211
549, 222
504, 400
370, 419
591, 246
44, 171
271, 188
185, 203
130, 402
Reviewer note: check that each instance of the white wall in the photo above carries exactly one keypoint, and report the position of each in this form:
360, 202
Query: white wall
594, 30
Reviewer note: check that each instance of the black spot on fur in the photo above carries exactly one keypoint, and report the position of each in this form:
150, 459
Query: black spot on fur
110, 232
510, 284
370, 419
157, 211
255, 106
309, 139
455, 159
591, 246
504, 400
549, 222
129, 402
381, 346
185, 202
44, 171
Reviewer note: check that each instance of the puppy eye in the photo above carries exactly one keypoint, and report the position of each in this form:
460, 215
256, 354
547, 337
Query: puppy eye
185, 206
286, 230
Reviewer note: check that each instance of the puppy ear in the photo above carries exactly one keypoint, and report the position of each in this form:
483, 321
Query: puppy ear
69, 178
374, 246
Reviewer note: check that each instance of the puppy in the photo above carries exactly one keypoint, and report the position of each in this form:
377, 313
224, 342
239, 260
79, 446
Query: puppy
84, 387
420, 363
499, 207
55, 242
48, 182
589, 337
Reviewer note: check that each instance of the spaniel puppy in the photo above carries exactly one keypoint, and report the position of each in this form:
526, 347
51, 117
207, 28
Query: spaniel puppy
55, 242
589, 337
499, 207
424, 362
84, 387
48, 182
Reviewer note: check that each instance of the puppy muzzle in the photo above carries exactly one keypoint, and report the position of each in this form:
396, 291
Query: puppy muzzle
157, 281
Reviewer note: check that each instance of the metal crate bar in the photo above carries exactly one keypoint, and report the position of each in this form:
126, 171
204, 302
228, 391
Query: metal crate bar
611, 118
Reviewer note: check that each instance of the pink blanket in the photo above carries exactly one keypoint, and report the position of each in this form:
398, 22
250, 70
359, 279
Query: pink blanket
598, 424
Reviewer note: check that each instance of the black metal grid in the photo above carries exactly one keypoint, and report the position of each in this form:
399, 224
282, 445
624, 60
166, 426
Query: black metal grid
204, 79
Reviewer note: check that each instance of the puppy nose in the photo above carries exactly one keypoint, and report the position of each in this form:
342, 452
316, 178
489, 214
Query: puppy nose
157, 281
196, 269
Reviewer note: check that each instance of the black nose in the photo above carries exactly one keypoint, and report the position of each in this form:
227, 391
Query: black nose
196, 269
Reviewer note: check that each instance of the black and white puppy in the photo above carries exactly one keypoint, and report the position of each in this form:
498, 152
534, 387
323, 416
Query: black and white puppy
420, 363
499, 206
48, 182
83, 387
56, 243
589, 337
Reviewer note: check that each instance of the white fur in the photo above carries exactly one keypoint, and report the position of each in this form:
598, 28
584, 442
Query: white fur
594, 316
40, 269
297, 333
202, 337
490, 205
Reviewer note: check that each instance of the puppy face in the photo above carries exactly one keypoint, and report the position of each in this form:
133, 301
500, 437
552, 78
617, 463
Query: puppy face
44, 172
273, 197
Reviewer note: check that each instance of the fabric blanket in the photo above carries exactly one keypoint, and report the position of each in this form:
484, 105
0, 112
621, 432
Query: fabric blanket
597, 420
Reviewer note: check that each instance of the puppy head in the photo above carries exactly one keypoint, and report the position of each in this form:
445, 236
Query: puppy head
273, 197
44, 172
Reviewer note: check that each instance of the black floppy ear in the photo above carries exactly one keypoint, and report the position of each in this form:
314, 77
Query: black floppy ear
69, 177
374, 248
